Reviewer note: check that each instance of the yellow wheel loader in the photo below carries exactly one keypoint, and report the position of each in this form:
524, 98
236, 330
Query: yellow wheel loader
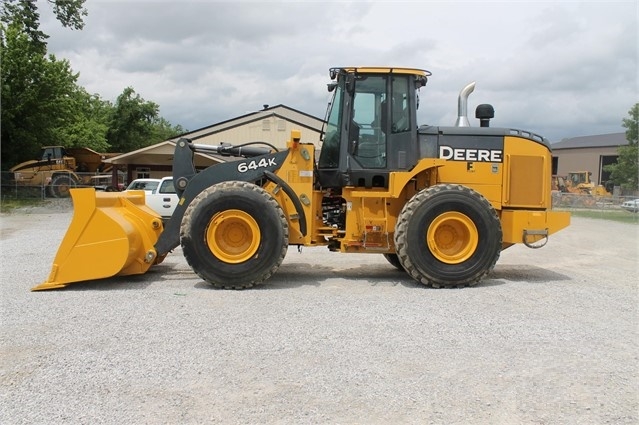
440, 203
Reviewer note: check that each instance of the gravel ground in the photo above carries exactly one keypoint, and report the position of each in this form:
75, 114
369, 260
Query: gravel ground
549, 338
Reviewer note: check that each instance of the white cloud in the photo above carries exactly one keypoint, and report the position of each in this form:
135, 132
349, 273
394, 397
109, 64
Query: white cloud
559, 68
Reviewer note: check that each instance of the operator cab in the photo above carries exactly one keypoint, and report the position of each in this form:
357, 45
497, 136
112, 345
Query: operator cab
371, 126
52, 152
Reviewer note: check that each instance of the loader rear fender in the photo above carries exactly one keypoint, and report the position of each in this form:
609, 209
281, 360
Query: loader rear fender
248, 169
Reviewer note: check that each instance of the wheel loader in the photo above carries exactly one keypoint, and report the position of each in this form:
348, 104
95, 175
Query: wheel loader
578, 190
438, 202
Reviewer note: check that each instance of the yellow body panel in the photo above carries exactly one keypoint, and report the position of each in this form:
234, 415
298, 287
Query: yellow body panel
111, 234
527, 174
297, 172
516, 224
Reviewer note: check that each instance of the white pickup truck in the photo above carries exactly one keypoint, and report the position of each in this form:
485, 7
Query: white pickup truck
160, 194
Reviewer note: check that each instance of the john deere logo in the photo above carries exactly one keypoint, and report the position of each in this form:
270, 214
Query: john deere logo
465, 154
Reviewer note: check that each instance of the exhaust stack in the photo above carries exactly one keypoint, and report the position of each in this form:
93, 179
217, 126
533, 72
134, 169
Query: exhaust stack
462, 106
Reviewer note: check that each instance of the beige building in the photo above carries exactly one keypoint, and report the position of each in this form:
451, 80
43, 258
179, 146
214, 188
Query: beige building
272, 125
587, 153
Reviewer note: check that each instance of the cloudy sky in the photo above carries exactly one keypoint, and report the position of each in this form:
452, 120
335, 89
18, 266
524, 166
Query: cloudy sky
557, 68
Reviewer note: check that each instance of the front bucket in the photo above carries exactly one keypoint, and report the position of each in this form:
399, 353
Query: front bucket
111, 234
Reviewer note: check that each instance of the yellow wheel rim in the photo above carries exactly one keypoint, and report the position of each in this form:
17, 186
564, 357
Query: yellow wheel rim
233, 236
452, 237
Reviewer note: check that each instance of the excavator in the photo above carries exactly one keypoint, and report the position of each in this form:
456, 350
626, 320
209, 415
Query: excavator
440, 203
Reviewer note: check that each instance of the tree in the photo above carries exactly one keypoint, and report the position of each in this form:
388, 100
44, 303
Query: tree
42, 104
24, 13
36, 90
135, 123
89, 125
131, 124
625, 172
163, 130
36, 93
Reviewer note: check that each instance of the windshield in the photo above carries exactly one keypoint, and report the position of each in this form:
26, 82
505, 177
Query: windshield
369, 124
143, 185
329, 155
577, 178
379, 113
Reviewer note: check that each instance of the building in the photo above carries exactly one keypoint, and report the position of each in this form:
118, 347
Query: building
587, 153
272, 125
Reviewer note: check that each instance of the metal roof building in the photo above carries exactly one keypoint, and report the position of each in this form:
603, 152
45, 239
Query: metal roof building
587, 153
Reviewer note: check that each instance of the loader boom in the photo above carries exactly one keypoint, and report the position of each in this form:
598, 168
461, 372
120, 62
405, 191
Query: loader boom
189, 184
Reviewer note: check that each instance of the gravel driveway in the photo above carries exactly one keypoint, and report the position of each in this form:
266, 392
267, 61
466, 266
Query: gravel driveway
549, 338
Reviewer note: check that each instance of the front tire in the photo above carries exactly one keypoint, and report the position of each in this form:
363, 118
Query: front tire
234, 235
448, 236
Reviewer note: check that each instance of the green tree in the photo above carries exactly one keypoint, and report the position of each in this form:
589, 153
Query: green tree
36, 92
625, 172
135, 123
131, 124
36, 89
88, 126
70, 13
42, 104
163, 130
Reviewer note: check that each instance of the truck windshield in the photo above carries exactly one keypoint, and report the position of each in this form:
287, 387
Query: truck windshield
329, 155
143, 185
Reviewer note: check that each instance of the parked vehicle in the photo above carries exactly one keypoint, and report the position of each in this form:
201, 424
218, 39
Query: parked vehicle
104, 182
160, 194
632, 205
147, 185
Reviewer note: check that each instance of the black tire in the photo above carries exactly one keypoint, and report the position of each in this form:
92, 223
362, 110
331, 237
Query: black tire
448, 236
394, 260
60, 185
234, 235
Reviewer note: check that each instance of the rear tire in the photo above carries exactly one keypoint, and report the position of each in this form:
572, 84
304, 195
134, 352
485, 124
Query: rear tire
60, 185
234, 235
448, 236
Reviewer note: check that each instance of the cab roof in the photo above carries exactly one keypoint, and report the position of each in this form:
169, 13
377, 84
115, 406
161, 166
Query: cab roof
379, 70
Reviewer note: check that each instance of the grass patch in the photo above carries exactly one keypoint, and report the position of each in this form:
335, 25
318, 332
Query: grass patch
614, 215
9, 205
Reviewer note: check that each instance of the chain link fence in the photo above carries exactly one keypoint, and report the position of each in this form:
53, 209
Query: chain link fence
53, 185
598, 205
